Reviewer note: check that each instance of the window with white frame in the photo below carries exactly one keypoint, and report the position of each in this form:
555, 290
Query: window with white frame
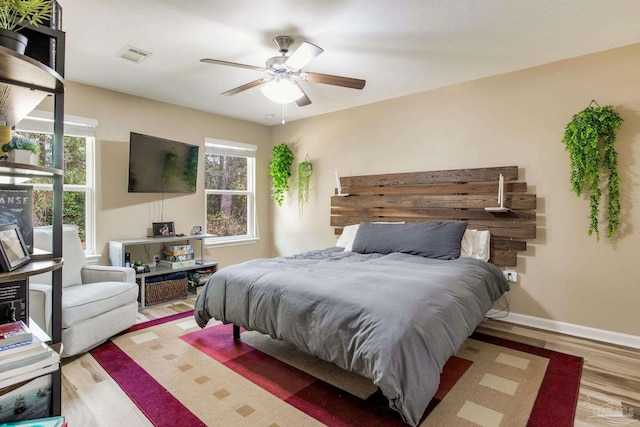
230, 191
78, 187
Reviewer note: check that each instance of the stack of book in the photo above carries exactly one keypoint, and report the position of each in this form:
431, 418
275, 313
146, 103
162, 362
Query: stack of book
23, 355
180, 256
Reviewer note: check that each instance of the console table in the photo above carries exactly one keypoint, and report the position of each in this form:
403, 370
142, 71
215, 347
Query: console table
117, 249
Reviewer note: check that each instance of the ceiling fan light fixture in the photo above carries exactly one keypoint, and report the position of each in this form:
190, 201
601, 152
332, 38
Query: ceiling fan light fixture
282, 91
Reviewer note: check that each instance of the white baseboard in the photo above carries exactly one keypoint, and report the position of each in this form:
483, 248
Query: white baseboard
568, 329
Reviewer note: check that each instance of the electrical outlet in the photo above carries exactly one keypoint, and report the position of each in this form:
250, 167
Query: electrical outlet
511, 275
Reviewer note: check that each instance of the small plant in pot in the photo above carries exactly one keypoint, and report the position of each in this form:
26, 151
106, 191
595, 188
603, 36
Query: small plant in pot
21, 150
15, 15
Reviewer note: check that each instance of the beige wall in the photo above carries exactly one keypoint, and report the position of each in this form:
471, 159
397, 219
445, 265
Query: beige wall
122, 215
512, 119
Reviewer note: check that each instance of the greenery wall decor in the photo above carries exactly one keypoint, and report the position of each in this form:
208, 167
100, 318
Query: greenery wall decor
305, 170
589, 139
280, 171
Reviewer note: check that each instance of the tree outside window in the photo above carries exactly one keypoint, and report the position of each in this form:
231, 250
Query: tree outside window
229, 193
75, 175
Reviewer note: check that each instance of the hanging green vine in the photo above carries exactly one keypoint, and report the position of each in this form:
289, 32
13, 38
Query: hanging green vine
280, 171
305, 170
589, 139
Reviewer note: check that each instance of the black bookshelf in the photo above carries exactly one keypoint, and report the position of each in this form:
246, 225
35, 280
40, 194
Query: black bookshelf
30, 78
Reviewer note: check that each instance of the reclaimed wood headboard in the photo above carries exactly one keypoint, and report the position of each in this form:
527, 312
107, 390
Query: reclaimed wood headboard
449, 195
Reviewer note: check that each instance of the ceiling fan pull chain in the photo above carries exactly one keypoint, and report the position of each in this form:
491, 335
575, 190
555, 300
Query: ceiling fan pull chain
284, 113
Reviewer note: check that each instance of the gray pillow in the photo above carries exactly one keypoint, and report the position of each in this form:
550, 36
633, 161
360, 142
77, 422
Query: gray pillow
439, 240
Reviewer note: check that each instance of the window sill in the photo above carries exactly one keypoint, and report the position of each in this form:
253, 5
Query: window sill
92, 258
209, 243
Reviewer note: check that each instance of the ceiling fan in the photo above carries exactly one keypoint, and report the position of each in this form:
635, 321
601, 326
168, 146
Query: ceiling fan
284, 74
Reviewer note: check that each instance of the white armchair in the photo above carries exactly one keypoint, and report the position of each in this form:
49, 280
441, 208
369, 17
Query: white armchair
97, 301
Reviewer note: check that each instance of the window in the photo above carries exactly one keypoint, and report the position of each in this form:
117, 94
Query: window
78, 194
230, 191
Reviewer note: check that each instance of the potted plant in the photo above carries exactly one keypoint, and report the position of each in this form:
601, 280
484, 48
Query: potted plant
15, 15
21, 150
589, 139
280, 171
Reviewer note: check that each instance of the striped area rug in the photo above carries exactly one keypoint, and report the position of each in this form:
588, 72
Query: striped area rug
178, 374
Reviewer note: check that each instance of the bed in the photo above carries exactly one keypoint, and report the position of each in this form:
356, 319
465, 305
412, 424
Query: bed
394, 318
392, 307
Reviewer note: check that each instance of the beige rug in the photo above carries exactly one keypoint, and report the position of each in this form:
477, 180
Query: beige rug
176, 372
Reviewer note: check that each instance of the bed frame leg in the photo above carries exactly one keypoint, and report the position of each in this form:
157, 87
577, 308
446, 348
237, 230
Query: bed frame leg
236, 332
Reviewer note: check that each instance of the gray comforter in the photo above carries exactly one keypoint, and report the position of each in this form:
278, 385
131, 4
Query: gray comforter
395, 318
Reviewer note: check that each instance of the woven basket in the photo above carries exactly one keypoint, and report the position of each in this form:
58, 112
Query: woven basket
168, 290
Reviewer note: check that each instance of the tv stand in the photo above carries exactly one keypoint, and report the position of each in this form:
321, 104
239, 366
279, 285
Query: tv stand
117, 249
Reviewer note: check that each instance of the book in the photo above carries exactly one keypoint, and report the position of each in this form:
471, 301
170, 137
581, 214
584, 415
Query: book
17, 360
178, 264
180, 252
40, 422
20, 347
14, 332
31, 398
176, 258
51, 360
178, 248
16, 206
28, 375
13, 302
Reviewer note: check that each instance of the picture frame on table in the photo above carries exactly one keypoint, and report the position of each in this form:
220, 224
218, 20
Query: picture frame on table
13, 251
163, 229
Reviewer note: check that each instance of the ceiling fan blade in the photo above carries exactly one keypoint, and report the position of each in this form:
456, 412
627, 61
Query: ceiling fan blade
246, 86
303, 100
303, 55
232, 64
334, 80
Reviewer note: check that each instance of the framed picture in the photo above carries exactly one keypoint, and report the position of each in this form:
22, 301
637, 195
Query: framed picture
14, 252
163, 229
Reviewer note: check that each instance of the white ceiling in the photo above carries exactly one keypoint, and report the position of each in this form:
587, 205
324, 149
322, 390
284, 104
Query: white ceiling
399, 47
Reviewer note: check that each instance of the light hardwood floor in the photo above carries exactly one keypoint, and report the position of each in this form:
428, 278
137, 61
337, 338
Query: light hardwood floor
610, 378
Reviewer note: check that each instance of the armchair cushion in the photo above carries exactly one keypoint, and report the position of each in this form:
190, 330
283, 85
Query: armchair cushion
74, 258
93, 299
101, 273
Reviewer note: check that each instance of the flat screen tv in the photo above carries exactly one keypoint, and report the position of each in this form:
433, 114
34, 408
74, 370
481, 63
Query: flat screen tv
158, 165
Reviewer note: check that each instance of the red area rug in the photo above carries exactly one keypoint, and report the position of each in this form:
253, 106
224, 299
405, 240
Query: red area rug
552, 399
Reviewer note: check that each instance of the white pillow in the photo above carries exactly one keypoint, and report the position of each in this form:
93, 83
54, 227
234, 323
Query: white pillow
476, 244
349, 235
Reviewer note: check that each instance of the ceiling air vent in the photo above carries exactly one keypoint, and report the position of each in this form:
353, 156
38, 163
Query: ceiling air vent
134, 54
